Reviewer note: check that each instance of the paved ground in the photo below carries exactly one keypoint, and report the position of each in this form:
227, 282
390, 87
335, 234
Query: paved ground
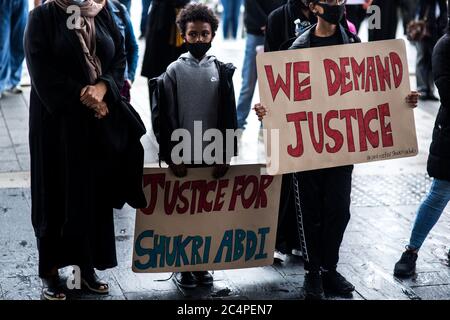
384, 199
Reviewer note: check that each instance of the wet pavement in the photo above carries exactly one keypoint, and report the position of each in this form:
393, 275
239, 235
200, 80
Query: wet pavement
384, 200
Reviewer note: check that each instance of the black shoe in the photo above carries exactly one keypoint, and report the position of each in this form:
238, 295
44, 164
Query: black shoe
203, 277
52, 288
185, 280
406, 266
335, 283
93, 283
313, 286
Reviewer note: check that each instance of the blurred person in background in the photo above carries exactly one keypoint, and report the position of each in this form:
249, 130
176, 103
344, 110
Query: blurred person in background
435, 14
230, 17
389, 17
13, 19
255, 19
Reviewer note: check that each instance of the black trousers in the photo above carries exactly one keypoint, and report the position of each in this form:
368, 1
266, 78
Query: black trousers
424, 75
325, 213
287, 232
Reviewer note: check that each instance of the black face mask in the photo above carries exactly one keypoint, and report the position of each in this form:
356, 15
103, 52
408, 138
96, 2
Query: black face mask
332, 13
198, 49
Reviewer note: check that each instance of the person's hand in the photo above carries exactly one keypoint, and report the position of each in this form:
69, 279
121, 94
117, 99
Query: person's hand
261, 111
92, 95
220, 170
101, 110
412, 99
179, 170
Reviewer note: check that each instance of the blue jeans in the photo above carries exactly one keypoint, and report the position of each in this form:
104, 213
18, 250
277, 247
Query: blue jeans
13, 18
249, 77
145, 7
231, 13
429, 212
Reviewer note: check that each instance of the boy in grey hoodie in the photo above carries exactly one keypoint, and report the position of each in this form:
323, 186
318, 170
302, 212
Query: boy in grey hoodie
199, 96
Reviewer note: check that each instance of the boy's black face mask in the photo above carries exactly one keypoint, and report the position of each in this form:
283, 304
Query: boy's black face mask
332, 13
198, 49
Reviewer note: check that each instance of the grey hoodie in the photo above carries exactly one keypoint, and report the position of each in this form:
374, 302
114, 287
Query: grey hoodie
192, 91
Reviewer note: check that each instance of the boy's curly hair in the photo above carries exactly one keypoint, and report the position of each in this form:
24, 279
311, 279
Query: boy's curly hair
197, 12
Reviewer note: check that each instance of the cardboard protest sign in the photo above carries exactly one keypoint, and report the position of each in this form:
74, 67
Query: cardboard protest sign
200, 223
336, 105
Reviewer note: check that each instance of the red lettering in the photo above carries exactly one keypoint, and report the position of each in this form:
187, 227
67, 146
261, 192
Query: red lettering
183, 209
154, 180
372, 136
247, 201
333, 86
218, 203
264, 183
318, 144
299, 94
359, 70
362, 131
371, 75
296, 118
237, 190
345, 86
384, 75
275, 86
332, 133
171, 201
386, 130
397, 68
348, 115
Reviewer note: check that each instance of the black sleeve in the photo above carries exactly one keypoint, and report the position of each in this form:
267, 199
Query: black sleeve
54, 88
272, 36
441, 69
255, 15
169, 113
114, 75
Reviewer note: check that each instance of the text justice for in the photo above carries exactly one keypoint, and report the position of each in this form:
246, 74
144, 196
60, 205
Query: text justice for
347, 75
198, 196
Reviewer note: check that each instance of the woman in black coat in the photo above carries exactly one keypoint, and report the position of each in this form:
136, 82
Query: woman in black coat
75, 79
438, 165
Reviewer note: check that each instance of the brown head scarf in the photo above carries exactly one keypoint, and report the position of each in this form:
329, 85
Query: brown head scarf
86, 32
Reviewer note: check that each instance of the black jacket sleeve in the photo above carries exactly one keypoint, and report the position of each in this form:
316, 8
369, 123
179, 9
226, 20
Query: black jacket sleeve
54, 88
272, 37
114, 75
255, 16
441, 69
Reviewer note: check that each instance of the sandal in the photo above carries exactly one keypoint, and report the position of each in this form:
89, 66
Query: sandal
93, 283
52, 289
